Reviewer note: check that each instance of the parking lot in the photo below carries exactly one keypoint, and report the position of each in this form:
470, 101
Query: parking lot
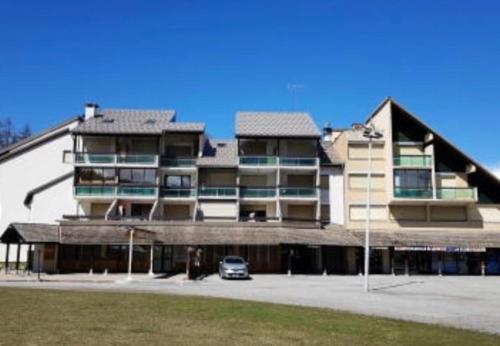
461, 301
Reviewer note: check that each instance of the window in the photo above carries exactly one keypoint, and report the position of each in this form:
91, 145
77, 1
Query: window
98, 176
358, 212
178, 181
360, 181
412, 178
360, 151
138, 176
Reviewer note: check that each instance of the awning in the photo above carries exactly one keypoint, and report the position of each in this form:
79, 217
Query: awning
471, 238
224, 233
30, 233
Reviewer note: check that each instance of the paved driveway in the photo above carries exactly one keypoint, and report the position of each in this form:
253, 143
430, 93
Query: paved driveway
465, 302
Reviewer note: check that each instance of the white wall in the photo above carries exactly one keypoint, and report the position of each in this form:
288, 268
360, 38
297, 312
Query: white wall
27, 171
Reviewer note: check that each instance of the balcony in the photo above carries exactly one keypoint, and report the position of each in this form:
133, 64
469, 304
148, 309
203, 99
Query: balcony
406, 192
260, 161
455, 194
217, 192
298, 192
177, 162
298, 161
97, 159
111, 159
418, 161
142, 159
136, 191
178, 193
257, 192
95, 191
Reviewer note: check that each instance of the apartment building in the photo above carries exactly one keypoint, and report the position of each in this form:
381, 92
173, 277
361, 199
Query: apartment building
433, 209
280, 193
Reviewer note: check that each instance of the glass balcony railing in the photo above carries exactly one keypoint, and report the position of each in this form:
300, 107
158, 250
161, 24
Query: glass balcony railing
404, 192
95, 158
258, 160
298, 161
298, 192
412, 161
99, 159
455, 193
178, 193
95, 191
258, 192
217, 192
142, 159
136, 191
177, 162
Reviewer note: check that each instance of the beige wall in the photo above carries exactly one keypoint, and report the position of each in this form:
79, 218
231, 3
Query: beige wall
408, 150
408, 213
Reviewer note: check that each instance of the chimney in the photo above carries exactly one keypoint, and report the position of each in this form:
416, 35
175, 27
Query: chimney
327, 132
90, 110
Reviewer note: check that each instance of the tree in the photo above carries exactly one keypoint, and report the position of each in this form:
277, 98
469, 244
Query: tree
8, 134
24, 132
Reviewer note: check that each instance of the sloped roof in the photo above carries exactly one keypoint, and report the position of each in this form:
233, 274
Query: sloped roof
31, 233
474, 238
185, 127
37, 139
327, 154
275, 124
191, 233
127, 121
219, 153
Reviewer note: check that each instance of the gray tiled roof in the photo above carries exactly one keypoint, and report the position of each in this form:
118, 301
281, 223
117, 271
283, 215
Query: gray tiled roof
219, 153
275, 124
128, 121
185, 127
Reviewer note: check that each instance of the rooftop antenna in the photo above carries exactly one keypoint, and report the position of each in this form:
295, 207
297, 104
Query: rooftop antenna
293, 88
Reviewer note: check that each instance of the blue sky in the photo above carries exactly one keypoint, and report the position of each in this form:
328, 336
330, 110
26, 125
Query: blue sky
208, 59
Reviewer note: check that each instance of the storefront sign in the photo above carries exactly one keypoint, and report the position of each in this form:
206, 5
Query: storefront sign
440, 249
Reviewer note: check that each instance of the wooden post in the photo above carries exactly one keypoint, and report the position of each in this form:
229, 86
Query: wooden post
18, 256
407, 264
29, 264
391, 254
7, 258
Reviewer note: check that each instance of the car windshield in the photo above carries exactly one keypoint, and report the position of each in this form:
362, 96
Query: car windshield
233, 260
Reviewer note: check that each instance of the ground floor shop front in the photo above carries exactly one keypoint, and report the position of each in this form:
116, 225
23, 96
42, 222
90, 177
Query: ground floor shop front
294, 259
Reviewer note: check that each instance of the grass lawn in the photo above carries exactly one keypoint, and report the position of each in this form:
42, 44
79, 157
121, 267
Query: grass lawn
98, 318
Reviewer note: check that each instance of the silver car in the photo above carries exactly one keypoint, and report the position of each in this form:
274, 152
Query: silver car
233, 267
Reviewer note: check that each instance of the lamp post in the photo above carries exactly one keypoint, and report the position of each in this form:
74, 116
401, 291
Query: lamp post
370, 133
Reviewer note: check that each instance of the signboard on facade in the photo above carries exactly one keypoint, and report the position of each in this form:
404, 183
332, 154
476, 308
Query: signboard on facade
439, 248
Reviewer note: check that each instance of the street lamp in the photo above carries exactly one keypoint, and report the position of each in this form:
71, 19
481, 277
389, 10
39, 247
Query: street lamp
371, 133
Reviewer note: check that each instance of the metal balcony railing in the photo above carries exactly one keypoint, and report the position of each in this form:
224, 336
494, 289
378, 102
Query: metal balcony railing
298, 161
177, 162
258, 160
217, 192
136, 191
257, 192
178, 193
412, 161
298, 192
405, 192
450, 193
95, 191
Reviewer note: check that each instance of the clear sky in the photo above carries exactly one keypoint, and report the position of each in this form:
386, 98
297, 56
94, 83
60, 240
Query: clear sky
208, 59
